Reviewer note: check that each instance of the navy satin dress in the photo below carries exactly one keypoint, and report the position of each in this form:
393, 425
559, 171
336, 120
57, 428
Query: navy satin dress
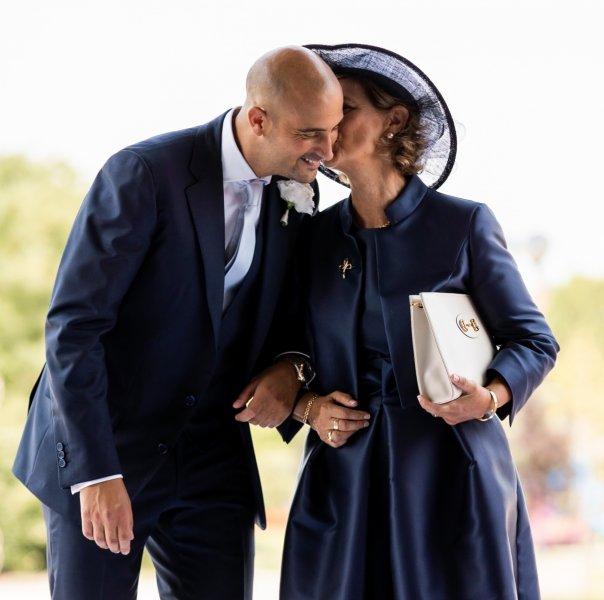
410, 508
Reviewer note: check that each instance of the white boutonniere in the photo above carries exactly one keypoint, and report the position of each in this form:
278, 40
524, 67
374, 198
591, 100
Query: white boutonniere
296, 195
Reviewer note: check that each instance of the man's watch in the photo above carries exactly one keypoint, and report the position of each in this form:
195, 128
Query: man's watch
299, 367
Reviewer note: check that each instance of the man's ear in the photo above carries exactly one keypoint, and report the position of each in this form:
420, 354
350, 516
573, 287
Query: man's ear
257, 119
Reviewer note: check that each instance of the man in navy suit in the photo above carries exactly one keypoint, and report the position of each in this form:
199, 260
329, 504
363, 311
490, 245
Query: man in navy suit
160, 315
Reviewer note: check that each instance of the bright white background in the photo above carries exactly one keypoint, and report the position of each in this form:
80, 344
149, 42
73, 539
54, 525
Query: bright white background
81, 79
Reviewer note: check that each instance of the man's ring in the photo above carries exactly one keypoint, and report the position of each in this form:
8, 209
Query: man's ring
329, 435
336, 423
249, 402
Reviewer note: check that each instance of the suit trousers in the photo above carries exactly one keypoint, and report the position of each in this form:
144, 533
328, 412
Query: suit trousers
195, 517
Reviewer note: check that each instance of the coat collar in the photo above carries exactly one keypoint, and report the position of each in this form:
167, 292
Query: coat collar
402, 206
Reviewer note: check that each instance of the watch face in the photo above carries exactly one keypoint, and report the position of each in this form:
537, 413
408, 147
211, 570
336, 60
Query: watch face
300, 371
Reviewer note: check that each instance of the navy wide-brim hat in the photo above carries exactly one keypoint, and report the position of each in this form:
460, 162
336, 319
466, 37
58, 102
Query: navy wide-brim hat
403, 80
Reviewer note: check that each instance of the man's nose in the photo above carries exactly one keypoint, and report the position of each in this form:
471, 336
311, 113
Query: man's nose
326, 145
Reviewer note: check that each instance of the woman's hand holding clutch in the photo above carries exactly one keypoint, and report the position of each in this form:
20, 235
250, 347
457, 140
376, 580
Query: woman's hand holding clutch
476, 402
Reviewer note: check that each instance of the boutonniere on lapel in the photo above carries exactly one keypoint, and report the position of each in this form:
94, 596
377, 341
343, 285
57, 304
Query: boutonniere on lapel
296, 195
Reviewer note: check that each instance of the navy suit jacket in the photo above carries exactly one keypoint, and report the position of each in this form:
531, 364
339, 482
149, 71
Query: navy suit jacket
135, 317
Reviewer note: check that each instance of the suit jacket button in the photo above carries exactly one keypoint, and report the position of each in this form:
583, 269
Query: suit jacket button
62, 463
61, 454
60, 446
163, 448
190, 400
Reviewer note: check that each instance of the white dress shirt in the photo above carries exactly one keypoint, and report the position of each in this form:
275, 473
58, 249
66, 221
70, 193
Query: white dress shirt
235, 171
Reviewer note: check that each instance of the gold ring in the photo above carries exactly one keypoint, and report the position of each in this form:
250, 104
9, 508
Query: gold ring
249, 402
336, 423
329, 435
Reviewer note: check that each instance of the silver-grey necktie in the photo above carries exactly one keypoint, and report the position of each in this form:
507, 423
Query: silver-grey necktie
233, 244
240, 248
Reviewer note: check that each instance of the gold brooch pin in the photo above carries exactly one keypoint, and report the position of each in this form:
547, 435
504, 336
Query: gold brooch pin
345, 266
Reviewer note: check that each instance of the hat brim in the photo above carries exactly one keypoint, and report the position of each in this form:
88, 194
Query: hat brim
403, 80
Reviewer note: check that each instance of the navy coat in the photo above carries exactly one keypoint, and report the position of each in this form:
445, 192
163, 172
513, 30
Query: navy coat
435, 243
135, 316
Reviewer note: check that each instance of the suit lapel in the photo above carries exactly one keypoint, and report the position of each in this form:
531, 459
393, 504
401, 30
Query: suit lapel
206, 203
275, 257
278, 239
205, 198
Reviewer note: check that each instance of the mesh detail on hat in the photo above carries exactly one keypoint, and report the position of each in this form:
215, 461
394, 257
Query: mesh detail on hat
401, 78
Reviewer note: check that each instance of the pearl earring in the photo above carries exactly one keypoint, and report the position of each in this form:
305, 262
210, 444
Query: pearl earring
390, 135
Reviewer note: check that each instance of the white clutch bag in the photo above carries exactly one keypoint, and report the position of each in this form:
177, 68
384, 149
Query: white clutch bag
448, 337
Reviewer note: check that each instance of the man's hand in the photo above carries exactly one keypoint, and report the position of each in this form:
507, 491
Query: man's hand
107, 515
269, 398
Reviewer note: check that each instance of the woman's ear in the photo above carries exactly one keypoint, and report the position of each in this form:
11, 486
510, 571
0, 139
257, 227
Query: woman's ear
397, 119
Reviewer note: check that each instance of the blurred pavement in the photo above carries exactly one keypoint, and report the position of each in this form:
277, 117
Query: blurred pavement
573, 572
35, 586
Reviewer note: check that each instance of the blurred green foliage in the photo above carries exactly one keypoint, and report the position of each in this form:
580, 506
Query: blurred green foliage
576, 314
38, 202
558, 439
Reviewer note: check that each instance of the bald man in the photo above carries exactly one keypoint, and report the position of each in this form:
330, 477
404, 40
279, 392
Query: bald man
159, 317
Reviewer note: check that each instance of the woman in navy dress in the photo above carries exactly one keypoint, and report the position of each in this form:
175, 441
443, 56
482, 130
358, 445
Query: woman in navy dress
400, 498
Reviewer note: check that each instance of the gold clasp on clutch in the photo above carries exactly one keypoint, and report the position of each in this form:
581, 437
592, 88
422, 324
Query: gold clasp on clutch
467, 326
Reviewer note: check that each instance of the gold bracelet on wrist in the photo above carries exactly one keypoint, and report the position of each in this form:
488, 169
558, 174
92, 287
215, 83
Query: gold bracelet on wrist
307, 408
493, 410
